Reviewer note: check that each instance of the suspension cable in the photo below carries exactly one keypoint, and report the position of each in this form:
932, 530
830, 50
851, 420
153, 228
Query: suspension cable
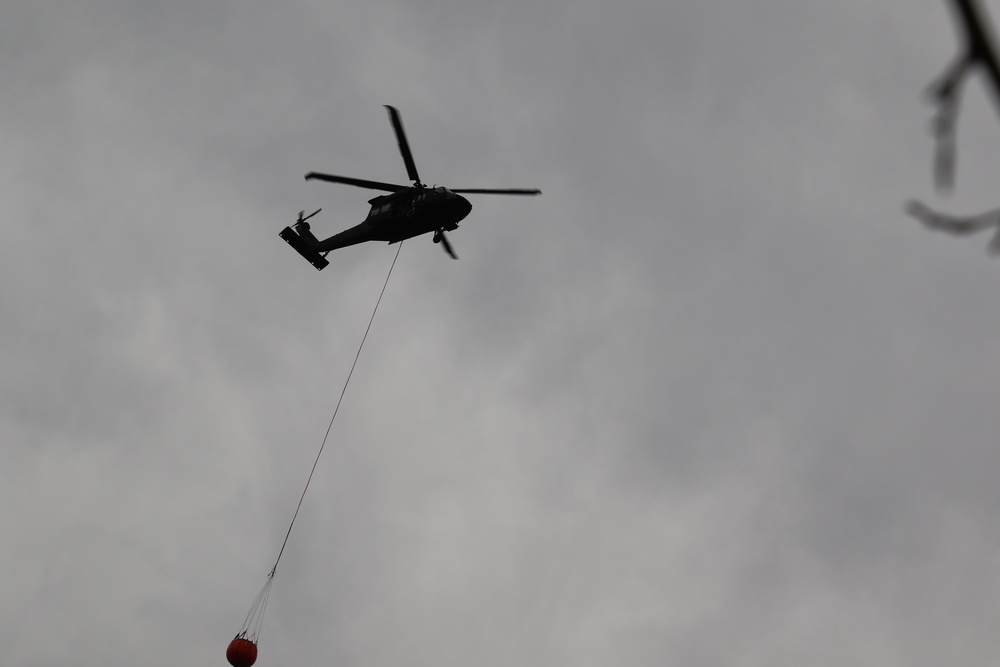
335, 411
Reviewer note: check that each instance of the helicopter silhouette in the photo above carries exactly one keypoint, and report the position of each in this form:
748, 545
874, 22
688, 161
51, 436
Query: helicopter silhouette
407, 211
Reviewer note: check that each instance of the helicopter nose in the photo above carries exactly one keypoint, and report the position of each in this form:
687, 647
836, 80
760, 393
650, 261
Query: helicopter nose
462, 206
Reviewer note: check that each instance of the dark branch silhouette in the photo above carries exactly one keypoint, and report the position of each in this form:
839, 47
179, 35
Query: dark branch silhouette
977, 52
957, 225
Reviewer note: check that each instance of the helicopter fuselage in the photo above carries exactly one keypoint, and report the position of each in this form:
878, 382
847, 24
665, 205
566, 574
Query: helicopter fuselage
402, 215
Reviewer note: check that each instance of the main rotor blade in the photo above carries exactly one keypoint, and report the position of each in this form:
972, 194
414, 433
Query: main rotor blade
404, 146
490, 191
361, 183
447, 246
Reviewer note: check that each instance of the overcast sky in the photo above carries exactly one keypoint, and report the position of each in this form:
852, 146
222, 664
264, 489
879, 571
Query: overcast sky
712, 399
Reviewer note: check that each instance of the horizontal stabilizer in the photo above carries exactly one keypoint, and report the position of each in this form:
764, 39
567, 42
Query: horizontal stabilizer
304, 248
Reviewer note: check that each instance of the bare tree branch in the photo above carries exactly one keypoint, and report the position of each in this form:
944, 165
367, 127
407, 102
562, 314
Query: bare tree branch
958, 225
977, 52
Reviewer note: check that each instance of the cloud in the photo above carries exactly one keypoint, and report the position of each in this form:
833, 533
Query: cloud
710, 398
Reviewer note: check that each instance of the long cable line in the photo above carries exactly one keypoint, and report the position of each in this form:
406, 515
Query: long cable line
255, 617
336, 409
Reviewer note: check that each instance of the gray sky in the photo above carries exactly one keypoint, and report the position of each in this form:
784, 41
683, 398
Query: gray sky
712, 399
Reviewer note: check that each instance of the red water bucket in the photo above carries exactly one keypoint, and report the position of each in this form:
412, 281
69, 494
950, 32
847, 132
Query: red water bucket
241, 652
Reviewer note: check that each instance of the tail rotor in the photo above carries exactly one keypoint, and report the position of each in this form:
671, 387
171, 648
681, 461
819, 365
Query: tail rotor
302, 220
303, 241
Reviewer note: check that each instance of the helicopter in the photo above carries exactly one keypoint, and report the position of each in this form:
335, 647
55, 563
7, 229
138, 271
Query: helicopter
407, 211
